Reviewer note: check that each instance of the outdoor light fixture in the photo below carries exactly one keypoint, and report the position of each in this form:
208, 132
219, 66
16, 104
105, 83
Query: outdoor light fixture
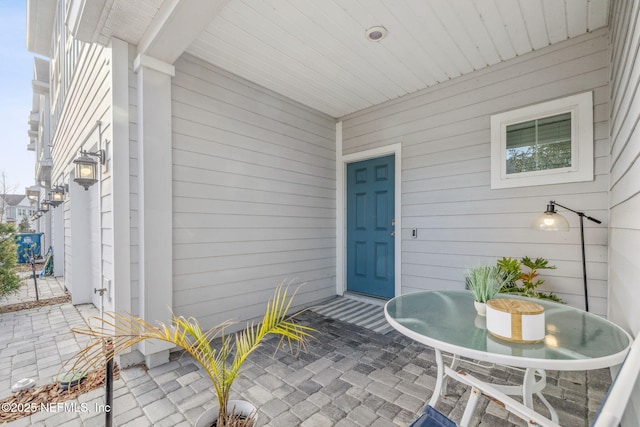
550, 220
44, 206
377, 33
87, 168
56, 195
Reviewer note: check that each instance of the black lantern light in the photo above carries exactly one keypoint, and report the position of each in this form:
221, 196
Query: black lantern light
56, 196
87, 168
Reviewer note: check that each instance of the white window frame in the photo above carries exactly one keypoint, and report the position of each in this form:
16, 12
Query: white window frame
581, 108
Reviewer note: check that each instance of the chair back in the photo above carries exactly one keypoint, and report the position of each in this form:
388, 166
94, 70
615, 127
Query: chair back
616, 402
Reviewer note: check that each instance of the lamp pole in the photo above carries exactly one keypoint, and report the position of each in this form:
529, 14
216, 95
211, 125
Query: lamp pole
582, 215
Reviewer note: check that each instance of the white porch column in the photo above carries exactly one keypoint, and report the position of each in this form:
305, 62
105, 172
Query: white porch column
154, 198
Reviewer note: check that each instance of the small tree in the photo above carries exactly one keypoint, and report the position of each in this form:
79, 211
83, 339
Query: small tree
9, 280
25, 225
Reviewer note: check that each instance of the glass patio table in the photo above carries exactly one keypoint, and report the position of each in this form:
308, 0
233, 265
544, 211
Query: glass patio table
447, 321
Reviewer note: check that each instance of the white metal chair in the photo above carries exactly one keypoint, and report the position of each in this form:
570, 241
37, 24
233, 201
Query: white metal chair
610, 414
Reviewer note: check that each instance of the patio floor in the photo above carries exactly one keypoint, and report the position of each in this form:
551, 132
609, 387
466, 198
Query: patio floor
350, 376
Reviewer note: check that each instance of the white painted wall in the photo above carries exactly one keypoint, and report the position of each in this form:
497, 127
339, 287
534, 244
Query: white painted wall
446, 195
253, 195
624, 226
58, 240
133, 183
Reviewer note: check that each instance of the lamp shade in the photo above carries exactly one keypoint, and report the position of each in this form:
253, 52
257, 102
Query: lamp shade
57, 196
550, 220
86, 171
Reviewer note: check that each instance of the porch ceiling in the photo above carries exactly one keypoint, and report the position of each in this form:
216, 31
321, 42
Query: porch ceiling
315, 52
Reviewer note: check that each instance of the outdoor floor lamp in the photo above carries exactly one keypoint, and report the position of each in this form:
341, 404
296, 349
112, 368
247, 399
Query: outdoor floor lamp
550, 220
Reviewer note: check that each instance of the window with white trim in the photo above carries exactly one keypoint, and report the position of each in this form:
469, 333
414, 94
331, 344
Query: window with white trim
547, 143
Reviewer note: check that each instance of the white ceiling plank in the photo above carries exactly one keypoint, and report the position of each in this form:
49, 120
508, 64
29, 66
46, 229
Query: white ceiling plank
280, 60
495, 27
418, 47
555, 16
320, 67
316, 53
432, 36
392, 52
535, 22
360, 74
460, 34
598, 14
281, 86
471, 20
323, 16
513, 22
266, 67
576, 17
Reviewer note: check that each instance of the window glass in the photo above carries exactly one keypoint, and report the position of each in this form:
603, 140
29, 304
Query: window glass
539, 144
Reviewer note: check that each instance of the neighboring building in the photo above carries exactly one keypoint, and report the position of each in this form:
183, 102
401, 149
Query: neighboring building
39, 142
229, 129
15, 207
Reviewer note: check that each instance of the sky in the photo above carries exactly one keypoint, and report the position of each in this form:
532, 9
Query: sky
16, 73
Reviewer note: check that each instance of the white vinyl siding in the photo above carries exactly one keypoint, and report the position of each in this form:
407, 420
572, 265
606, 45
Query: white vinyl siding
624, 270
253, 195
87, 100
624, 198
446, 195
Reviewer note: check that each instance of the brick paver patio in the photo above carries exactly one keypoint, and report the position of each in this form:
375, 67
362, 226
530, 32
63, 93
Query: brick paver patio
350, 376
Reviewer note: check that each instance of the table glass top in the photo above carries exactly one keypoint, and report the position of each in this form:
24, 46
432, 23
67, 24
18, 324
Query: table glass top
449, 317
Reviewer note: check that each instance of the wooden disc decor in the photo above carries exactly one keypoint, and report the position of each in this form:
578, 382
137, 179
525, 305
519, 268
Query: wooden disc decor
515, 320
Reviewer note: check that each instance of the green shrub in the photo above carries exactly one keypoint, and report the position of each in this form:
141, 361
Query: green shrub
529, 280
9, 280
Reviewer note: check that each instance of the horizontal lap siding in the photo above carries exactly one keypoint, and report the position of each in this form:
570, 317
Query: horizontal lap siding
253, 195
625, 168
87, 101
446, 194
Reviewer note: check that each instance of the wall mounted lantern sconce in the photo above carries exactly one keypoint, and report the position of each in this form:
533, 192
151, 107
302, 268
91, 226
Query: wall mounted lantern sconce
550, 220
86, 167
44, 206
56, 195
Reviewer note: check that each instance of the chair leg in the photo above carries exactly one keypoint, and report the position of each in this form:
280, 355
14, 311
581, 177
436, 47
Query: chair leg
471, 407
439, 379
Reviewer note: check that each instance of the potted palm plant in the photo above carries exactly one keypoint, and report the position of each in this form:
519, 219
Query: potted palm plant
222, 364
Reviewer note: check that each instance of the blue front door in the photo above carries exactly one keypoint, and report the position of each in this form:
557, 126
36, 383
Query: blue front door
370, 227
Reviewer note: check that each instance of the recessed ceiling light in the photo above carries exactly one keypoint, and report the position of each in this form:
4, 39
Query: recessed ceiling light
377, 33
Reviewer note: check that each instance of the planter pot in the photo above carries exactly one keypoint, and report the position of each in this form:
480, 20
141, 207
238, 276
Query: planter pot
481, 308
210, 416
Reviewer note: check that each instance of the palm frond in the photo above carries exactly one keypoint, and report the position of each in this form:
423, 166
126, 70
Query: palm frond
119, 332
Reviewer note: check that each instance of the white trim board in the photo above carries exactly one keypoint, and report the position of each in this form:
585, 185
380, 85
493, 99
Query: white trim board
341, 206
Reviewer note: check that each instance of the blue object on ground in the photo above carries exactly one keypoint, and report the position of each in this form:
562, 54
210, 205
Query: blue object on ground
431, 417
26, 241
